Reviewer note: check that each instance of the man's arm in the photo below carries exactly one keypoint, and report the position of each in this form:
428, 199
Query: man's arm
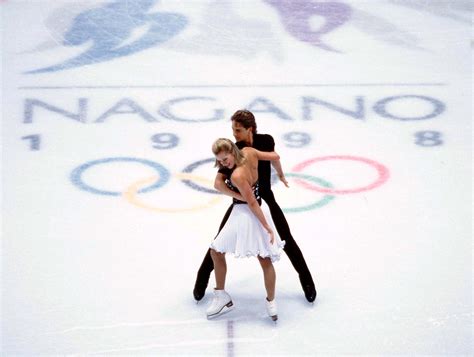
269, 144
277, 166
220, 185
267, 156
274, 158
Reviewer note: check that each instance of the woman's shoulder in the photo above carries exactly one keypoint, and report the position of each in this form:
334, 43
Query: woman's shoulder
238, 174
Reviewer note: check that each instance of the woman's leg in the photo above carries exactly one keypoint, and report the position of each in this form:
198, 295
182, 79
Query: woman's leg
207, 266
221, 302
291, 248
269, 277
220, 268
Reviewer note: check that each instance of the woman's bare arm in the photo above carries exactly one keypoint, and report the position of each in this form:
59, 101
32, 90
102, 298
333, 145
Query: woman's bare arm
220, 185
241, 182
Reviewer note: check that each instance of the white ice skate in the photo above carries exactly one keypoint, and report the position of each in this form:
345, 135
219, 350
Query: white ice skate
272, 309
221, 303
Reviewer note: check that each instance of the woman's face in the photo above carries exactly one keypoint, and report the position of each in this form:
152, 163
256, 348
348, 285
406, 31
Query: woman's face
226, 159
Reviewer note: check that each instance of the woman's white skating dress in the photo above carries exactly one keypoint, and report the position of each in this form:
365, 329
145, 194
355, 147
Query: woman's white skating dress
243, 235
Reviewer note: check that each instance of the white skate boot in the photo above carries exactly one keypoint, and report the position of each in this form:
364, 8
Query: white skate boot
272, 309
221, 303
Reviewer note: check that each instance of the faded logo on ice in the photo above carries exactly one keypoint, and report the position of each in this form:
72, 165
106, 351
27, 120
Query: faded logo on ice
297, 16
123, 27
107, 31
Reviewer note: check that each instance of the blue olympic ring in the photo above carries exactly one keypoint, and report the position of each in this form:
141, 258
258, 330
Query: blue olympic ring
76, 175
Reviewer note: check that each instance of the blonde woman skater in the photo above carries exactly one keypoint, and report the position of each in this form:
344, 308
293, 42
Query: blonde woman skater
249, 231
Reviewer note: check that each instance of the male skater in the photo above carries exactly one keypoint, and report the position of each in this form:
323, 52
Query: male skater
244, 130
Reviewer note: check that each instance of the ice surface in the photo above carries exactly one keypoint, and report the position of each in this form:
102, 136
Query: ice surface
103, 99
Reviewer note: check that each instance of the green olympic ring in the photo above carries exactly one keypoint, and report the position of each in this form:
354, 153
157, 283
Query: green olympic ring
318, 204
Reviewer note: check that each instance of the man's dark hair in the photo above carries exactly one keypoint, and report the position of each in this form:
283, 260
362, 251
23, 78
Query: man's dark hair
246, 119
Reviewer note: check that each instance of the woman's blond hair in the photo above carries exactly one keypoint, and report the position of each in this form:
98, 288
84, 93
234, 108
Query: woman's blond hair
227, 146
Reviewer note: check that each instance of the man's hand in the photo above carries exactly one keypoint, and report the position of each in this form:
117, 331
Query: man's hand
283, 179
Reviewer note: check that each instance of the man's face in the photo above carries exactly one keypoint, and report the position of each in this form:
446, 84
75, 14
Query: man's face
240, 133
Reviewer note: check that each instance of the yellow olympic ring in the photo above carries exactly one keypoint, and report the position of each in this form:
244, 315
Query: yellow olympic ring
130, 194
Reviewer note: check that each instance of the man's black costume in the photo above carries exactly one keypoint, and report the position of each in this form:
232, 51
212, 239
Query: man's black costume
263, 142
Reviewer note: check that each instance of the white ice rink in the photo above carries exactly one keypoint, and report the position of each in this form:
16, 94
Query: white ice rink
109, 109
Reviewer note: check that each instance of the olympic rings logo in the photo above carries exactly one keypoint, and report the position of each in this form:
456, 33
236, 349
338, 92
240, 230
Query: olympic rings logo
198, 183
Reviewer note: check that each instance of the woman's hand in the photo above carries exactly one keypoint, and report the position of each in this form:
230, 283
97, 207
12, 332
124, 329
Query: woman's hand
272, 236
240, 197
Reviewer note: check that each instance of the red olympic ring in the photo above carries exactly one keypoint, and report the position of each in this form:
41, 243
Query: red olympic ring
383, 174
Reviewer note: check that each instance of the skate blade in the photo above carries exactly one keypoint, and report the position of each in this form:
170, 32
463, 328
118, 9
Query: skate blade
225, 309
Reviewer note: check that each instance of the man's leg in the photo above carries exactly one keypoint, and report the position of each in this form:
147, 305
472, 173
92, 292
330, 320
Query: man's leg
202, 279
291, 248
207, 266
